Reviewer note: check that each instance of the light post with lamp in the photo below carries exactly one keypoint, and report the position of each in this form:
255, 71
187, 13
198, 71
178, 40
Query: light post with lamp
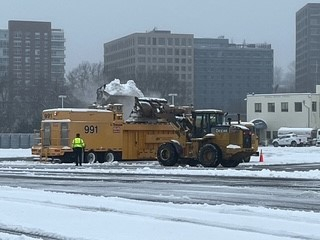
172, 95
62, 97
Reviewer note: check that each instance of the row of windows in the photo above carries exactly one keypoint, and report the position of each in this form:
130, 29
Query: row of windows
235, 62
27, 35
218, 76
176, 69
284, 107
164, 60
27, 75
233, 54
165, 51
164, 41
204, 68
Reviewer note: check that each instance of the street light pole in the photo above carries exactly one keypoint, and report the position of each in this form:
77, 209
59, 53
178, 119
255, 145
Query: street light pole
172, 95
62, 97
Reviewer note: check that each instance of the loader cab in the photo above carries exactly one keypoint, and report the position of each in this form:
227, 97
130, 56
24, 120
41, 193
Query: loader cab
206, 121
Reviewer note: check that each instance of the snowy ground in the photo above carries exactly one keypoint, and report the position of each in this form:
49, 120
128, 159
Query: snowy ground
71, 216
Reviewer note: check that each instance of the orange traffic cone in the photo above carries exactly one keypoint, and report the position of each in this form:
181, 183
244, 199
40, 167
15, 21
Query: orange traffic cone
261, 156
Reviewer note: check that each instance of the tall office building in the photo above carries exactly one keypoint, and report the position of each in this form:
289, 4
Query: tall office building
32, 60
225, 73
160, 62
308, 48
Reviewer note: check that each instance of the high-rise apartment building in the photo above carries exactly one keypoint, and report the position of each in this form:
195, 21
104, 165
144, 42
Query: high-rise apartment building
32, 63
225, 73
29, 55
308, 48
160, 62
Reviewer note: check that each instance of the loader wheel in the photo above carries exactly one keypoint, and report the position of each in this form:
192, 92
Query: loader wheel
109, 157
167, 155
208, 156
230, 163
91, 157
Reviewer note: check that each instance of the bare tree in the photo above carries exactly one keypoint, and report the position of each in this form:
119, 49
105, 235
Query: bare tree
84, 80
160, 84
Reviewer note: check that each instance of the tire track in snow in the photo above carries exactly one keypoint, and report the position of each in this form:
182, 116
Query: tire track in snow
214, 224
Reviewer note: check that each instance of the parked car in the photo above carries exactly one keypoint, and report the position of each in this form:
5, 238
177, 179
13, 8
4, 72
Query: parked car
290, 140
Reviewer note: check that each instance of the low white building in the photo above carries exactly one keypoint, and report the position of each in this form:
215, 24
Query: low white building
269, 112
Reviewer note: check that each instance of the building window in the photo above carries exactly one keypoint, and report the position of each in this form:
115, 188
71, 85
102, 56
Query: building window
162, 41
141, 40
314, 106
271, 107
284, 107
257, 107
141, 59
161, 60
162, 51
142, 51
298, 106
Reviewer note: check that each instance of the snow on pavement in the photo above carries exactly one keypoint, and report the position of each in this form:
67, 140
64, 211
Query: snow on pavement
69, 216
72, 216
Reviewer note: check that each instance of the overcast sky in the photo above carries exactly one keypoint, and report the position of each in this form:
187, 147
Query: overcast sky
88, 24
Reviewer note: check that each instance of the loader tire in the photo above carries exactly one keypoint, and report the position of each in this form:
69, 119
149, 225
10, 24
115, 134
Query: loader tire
167, 155
209, 156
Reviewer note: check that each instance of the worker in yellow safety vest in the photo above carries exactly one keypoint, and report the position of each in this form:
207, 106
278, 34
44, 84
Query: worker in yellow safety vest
78, 146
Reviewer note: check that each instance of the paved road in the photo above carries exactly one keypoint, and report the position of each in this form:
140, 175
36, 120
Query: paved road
282, 193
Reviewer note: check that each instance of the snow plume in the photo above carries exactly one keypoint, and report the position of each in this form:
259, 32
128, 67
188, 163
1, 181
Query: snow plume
115, 92
127, 89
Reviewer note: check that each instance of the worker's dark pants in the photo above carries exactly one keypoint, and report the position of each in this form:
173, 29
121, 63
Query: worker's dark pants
78, 155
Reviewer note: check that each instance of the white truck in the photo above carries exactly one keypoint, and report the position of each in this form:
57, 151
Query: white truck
309, 133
